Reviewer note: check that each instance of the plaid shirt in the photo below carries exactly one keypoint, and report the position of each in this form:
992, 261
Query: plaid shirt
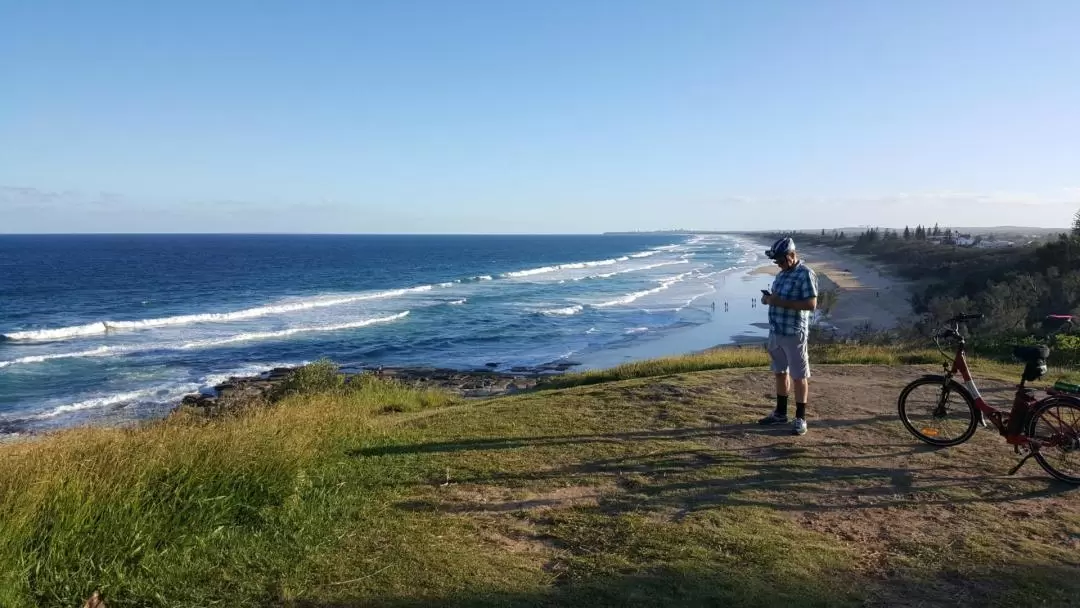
798, 283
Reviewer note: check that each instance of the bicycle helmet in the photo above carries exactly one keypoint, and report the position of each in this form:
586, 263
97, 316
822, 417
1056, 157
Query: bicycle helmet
780, 248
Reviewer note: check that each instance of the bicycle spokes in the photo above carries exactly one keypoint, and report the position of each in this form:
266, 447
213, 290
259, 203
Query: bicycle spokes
1055, 435
936, 413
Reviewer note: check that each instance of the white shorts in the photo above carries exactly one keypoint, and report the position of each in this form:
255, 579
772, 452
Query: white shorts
788, 354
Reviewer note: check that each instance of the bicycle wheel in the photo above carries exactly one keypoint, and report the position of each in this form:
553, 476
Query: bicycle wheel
938, 413
1056, 426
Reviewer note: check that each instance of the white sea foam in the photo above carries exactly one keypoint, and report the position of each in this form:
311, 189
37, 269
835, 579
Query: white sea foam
637, 330
570, 266
101, 351
211, 380
97, 402
563, 312
59, 333
265, 335
458, 302
637, 295
250, 313
104, 351
608, 275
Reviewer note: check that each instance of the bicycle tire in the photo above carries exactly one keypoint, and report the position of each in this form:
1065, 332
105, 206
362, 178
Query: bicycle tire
953, 388
1032, 428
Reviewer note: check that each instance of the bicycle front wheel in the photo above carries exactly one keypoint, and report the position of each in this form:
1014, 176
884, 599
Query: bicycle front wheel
1055, 426
938, 411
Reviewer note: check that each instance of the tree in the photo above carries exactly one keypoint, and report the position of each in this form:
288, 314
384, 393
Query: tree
937, 231
907, 233
1076, 225
822, 232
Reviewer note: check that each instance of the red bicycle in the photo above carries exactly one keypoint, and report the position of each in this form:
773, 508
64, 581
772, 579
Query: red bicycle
943, 412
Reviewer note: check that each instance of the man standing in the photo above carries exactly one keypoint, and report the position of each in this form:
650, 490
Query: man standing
791, 301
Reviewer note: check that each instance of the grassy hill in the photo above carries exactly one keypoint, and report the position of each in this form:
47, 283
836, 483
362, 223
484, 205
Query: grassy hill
645, 485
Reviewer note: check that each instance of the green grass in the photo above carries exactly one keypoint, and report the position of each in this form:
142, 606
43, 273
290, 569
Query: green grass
746, 357
370, 493
821, 354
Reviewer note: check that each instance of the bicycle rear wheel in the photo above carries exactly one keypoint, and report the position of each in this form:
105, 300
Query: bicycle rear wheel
939, 413
1055, 425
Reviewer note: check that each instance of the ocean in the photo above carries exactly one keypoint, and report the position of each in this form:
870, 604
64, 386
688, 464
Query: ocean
110, 328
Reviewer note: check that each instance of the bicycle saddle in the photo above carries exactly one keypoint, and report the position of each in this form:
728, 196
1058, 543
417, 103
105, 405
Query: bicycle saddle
1031, 353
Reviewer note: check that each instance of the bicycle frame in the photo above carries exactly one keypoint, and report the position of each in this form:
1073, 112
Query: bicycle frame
1013, 434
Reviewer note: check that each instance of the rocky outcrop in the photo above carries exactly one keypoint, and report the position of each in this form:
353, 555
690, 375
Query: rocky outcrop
253, 390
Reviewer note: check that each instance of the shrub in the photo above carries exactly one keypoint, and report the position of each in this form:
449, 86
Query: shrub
323, 376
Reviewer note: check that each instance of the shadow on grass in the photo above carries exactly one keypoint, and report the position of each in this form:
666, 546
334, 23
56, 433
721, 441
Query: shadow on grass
675, 434
783, 477
1013, 585
682, 482
658, 586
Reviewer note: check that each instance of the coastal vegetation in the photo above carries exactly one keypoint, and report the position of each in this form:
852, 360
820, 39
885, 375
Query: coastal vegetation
646, 484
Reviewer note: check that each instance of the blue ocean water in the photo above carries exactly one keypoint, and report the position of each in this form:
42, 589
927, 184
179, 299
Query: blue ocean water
103, 328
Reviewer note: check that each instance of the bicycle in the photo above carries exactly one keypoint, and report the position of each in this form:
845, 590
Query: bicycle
1045, 429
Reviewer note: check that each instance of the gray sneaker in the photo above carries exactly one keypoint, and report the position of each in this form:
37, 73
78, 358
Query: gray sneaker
773, 418
799, 428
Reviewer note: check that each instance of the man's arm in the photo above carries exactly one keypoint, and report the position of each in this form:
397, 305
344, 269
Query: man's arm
809, 304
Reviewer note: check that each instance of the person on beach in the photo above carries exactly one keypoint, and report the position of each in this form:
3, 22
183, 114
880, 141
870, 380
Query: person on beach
791, 301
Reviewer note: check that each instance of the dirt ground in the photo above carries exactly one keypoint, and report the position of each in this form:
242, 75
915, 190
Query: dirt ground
857, 477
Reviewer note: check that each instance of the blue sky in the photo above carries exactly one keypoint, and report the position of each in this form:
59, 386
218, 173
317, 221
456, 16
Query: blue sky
553, 116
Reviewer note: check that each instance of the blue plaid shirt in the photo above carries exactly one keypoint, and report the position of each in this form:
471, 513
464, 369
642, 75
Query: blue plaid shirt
798, 283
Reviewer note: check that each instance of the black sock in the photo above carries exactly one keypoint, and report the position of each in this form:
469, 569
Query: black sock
781, 405
800, 410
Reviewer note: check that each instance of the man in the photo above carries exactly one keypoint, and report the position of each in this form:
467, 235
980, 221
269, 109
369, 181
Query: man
792, 299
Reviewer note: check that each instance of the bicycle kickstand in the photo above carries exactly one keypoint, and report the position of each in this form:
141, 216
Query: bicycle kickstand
1022, 462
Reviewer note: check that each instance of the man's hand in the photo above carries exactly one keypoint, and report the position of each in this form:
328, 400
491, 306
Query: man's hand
766, 299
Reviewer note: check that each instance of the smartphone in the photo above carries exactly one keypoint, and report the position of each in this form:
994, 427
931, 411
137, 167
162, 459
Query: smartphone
765, 292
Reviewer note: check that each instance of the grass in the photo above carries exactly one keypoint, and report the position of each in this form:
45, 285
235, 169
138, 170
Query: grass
821, 354
370, 493
745, 357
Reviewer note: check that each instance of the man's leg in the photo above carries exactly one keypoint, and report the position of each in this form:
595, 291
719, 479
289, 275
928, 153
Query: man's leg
783, 389
800, 376
802, 393
779, 367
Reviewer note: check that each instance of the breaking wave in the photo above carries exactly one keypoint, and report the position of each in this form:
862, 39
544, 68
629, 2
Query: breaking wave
103, 327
